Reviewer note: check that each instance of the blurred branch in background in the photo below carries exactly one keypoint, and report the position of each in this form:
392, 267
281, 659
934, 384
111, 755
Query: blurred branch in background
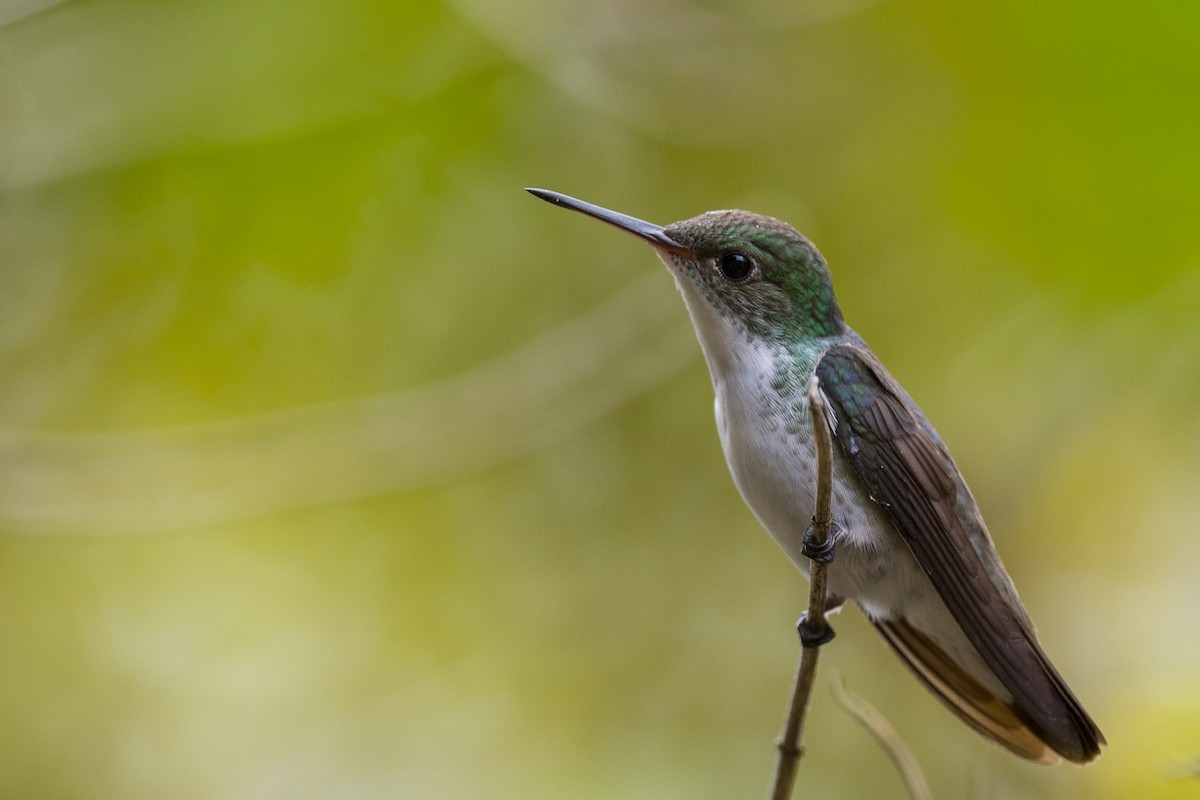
14, 10
148, 481
585, 51
897, 750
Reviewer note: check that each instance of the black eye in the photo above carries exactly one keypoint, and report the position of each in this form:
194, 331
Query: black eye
736, 266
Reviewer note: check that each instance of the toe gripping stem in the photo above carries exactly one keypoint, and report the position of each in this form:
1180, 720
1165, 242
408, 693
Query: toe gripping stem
822, 553
816, 632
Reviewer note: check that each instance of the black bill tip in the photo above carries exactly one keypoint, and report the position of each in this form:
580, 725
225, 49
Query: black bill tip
647, 231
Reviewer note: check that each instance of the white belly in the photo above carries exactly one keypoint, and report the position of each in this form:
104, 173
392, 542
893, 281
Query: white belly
771, 457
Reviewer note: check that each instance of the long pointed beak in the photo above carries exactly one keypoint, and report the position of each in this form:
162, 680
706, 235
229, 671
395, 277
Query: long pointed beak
640, 228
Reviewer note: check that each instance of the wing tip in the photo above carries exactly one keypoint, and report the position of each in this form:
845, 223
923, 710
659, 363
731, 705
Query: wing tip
1079, 741
1002, 723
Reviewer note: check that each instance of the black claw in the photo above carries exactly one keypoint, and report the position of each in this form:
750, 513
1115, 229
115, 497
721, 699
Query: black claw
814, 634
823, 553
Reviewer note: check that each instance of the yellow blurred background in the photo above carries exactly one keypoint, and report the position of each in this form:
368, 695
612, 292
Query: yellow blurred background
333, 465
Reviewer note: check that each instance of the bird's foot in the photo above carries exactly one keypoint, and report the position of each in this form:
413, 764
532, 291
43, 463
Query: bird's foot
822, 553
814, 633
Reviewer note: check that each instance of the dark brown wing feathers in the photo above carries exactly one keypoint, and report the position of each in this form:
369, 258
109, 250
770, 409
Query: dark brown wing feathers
903, 469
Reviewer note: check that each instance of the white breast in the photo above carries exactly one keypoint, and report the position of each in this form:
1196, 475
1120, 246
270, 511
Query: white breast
768, 445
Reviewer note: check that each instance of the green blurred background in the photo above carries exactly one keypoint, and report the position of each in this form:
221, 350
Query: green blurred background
333, 465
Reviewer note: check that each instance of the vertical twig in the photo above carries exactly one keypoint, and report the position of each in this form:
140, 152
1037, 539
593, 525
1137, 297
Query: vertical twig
791, 742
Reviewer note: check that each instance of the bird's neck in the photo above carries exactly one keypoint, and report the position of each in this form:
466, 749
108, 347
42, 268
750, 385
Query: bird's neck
740, 361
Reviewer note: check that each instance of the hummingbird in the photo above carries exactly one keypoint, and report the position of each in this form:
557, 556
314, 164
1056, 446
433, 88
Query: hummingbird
912, 549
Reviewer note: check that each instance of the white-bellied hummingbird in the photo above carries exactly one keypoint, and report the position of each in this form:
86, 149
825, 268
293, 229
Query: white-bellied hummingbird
912, 549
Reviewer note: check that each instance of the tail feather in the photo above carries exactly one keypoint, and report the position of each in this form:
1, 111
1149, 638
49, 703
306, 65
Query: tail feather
999, 721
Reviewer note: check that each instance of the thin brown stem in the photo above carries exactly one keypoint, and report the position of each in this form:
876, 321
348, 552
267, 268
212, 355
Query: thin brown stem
790, 744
